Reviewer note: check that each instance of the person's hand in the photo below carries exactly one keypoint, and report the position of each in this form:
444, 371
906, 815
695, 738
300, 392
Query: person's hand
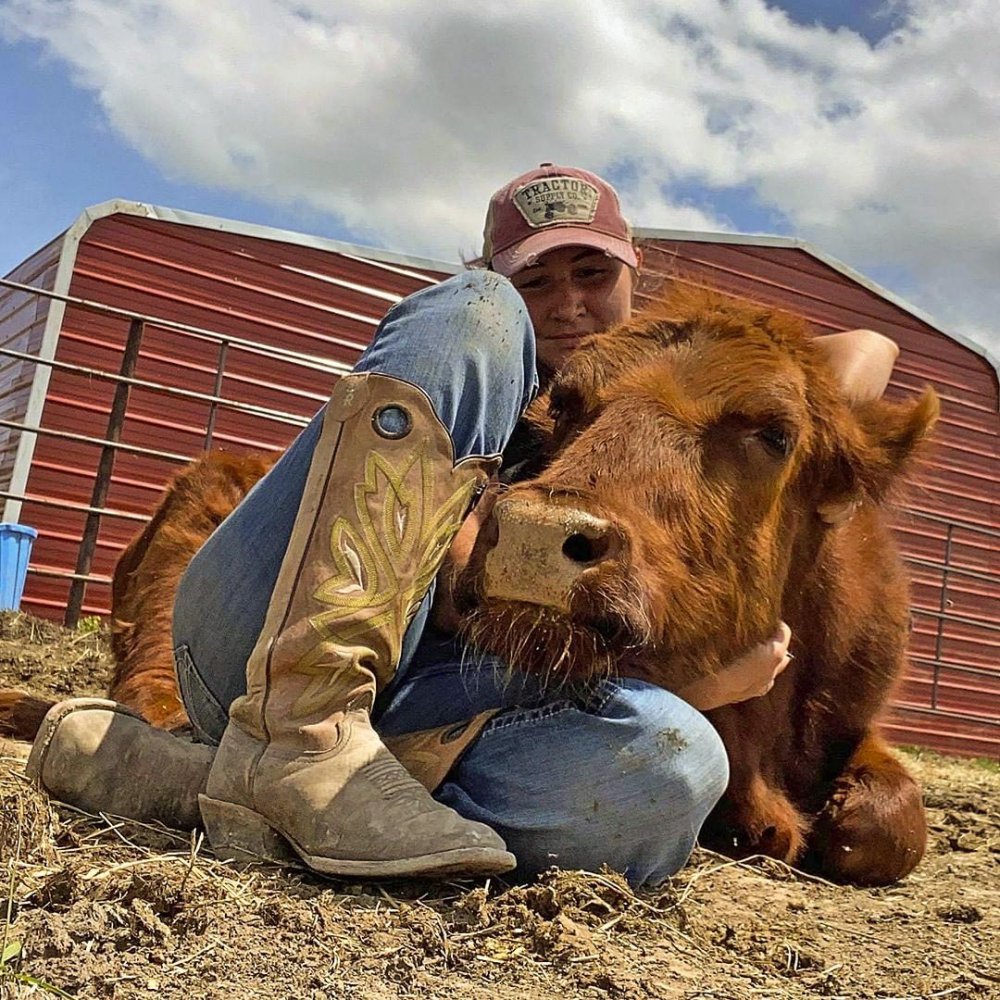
750, 676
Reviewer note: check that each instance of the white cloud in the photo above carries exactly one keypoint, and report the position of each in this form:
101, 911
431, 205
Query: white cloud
401, 117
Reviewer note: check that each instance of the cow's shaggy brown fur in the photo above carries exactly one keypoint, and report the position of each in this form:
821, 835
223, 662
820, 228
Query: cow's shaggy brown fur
142, 595
193, 505
710, 436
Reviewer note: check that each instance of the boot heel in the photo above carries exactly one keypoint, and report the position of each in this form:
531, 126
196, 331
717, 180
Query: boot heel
241, 835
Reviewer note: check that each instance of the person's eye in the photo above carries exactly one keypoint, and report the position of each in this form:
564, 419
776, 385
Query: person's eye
530, 284
594, 274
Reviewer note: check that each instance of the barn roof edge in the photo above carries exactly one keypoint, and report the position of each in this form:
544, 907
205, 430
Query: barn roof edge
794, 243
182, 217
202, 221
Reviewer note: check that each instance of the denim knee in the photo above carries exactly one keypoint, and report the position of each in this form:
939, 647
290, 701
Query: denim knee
626, 781
480, 291
672, 791
469, 344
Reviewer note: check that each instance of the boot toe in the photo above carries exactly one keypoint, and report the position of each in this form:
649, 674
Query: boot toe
73, 731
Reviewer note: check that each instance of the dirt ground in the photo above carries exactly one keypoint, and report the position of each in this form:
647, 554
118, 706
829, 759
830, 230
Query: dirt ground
96, 907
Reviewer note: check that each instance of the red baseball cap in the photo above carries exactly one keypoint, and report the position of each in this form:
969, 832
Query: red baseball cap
553, 207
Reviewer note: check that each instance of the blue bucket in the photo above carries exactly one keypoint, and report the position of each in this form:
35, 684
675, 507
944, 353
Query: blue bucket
15, 551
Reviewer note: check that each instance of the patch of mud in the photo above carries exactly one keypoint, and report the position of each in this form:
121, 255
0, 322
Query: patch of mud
47, 659
97, 907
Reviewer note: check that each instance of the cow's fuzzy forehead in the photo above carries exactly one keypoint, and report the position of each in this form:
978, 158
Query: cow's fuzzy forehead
738, 367
699, 361
744, 332
725, 314
719, 357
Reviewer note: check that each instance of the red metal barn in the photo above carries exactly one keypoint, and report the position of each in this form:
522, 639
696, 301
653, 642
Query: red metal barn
143, 336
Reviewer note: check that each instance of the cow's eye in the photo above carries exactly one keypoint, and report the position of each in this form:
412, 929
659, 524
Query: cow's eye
776, 440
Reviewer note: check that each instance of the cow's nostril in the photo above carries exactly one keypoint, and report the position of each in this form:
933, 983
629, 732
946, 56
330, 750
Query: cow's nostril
580, 548
609, 629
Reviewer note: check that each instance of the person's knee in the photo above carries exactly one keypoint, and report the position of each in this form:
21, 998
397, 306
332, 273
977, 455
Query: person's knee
468, 343
673, 797
485, 310
650, 780
467, 301
481, 285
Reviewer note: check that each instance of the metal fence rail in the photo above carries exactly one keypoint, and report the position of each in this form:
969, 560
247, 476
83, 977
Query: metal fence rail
83, 508
293, 357
124, 379
955, 532
214, 398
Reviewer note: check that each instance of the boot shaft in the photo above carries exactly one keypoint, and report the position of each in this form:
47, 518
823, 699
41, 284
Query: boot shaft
382, 502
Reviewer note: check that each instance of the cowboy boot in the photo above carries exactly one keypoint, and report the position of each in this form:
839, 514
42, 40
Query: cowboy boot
101, 757
300, 770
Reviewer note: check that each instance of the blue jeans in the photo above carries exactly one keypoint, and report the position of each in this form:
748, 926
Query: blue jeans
620, 773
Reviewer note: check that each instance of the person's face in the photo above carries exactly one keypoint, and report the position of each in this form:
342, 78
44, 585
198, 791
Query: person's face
570, 293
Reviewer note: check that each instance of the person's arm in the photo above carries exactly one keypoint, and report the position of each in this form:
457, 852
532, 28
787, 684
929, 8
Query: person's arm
862, 360
750, 676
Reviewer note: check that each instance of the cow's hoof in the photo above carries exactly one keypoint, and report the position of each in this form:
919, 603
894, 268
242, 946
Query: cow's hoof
764, 823
867, 837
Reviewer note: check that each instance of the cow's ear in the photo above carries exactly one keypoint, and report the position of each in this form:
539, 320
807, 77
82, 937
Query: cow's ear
895, 431
879, 450
576, 390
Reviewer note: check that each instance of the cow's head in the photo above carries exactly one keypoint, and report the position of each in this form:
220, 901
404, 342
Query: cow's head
691, 453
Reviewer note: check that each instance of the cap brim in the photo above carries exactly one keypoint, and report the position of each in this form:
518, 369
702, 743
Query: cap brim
508, 262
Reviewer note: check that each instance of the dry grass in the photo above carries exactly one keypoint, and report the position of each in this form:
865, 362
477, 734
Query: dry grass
108, 908
103, 907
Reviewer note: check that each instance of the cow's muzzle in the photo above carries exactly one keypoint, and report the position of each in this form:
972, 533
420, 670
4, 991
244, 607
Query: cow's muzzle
544, 552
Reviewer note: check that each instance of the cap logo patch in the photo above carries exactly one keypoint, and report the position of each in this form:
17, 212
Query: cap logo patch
553, 200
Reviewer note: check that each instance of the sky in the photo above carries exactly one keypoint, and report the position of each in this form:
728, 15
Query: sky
869, 128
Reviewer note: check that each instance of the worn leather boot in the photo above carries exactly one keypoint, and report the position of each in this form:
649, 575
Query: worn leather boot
300, 770
99, 756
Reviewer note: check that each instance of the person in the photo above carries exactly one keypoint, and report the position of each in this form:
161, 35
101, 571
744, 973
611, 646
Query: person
305, 643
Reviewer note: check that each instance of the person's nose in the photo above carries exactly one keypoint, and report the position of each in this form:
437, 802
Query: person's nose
570, 303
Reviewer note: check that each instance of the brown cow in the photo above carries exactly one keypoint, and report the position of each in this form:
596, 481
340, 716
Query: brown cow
193, 505
676, 522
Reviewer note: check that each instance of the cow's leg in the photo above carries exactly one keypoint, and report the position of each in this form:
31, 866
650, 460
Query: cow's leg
756, 818
145, 679
21, 714
873, 830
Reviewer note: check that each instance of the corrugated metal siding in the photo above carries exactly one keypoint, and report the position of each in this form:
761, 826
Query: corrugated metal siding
273, 294
326, 305
950, 698
22, 323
